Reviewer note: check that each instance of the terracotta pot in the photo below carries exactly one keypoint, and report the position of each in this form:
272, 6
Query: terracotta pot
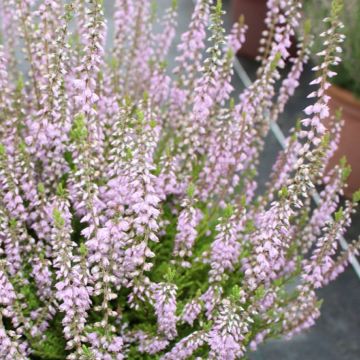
254, 12
350, 136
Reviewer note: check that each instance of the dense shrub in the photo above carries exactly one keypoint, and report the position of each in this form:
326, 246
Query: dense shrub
131, 226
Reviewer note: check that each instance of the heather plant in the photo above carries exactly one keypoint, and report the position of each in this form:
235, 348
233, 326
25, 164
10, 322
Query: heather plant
348, 72
131, 224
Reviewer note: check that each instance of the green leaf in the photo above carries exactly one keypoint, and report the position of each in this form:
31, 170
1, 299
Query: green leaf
283, 193
356, 196
336, 8
219, 7
229, 55
2, 150
241, 20
260, 292
60, 191
153, 123
325, 140
70, 161
41, 188
307, 26
235, 293
249, 227
170, 274
12, 223
207, 326
339, 215
140, 115
22, 147
128, 154
87, 351
191, 190
275, 62
83, 249
338, 114
228, 211
79, 131
20, 83
58, 219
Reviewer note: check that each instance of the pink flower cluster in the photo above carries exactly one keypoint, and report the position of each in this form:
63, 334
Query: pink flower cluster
130, 222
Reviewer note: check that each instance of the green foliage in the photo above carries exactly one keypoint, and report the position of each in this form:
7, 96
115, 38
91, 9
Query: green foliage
170, 274
2, 150
283, 193
153, 123
41, 188
249, 226
307, 26
275, 61
346, 169
232, 103
58, 219
140, 116
52, 347
29, 292
219, 7
356, 196
325, 141
87, 351
69, 8
235, 293
339, 215
78, 131
336, 8
20, 83
154, 9
60, 190
83, 250
191, 190
13, 223
228, 211
69, 159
